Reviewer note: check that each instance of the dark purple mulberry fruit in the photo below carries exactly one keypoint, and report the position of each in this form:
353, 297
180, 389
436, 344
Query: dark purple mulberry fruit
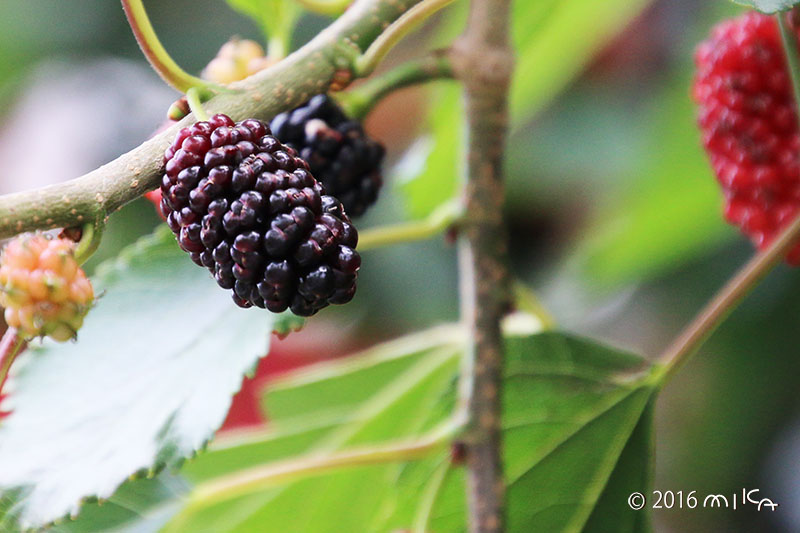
247, 208
340, 155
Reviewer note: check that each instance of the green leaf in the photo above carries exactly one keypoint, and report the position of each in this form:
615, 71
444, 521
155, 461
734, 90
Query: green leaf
138, 506
768, 6
576, 29
555, 40
577, 425
146, 385
276, 18
432, 170
571, 413
633, 473
385, 393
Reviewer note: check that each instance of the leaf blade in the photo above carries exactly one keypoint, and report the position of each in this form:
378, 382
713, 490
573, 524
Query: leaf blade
122, 390
571, 411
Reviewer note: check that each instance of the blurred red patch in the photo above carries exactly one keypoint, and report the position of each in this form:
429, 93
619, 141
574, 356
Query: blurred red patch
297, 350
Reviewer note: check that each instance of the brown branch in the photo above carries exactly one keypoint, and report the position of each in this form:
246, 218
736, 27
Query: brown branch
483, 60
328, 60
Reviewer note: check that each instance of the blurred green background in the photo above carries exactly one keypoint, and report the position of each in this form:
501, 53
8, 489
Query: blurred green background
615, 217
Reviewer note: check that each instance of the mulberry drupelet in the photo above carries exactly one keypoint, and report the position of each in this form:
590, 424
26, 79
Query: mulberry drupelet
340, 154
247, 208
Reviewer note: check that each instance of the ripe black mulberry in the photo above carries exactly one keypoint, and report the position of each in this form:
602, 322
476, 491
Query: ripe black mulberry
247, 208
340, 154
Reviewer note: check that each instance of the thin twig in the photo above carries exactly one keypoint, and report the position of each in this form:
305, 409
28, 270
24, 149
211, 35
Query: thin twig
394, 33
10, 347
310, 70
154, 51
726, 300
483, 61
358, 102
442, 218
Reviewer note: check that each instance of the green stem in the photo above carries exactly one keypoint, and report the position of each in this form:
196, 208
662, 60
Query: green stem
196, 104
278, 45
442, 218
90, 241
359, 101
726, 300
154, 51
329, 8
310, 70
394, 33
10, 346
279, 23
527, 301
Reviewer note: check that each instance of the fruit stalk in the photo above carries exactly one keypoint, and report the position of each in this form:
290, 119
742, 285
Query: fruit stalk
483, 61
91, 235
445, 216
195, 102
718, 309
10, 347
310, 70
